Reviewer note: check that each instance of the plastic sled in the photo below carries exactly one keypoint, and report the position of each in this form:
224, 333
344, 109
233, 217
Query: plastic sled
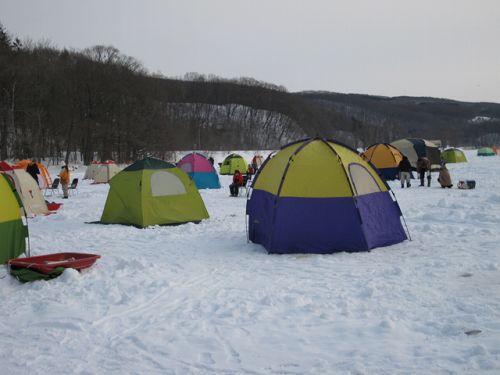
53, 206
48, 263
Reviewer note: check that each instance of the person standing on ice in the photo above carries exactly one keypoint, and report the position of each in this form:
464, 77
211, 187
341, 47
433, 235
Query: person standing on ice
33, 170
64, 176
250, 170
423, 166
404, 172
254, 163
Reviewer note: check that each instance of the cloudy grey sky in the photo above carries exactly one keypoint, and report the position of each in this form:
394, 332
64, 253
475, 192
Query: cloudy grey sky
440, 48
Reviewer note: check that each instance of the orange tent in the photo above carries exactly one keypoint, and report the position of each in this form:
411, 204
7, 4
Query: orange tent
45, 181
22, 164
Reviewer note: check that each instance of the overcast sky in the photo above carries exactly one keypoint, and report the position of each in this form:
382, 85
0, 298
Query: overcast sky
440, 48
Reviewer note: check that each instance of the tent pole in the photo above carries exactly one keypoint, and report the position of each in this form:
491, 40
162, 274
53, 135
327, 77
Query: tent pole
404, 220
28, 253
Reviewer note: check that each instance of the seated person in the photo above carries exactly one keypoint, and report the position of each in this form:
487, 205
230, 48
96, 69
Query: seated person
237, 182
444, 177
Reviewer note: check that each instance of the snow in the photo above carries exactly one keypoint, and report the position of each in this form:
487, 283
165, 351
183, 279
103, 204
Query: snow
199, 299
480, 119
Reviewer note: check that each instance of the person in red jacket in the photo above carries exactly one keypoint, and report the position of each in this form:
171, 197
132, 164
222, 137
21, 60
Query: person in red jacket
237, 182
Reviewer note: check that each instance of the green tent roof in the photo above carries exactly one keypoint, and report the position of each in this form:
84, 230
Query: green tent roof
230, 156
149, 163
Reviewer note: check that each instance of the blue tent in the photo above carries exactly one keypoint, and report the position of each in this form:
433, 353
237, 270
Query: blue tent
201, 171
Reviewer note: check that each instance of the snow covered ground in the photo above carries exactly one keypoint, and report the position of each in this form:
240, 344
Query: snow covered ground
199, 299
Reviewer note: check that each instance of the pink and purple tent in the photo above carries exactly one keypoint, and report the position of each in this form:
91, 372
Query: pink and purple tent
200, 170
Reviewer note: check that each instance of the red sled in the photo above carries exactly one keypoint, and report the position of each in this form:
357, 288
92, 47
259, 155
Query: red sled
53, 206
47, 263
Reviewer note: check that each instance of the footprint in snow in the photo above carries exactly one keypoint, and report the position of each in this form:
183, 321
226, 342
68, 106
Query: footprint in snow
206, 358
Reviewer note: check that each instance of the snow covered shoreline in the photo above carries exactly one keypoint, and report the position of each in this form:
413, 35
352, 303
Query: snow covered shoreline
199, 299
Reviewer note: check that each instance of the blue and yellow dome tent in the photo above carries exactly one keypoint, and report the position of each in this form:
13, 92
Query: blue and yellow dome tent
319, 196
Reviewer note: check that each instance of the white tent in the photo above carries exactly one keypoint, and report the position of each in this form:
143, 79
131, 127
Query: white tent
105, 172
91, 171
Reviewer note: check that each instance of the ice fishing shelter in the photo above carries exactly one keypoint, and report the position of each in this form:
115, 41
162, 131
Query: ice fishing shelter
232, 163
91, 170
485, 151
13, 232
319, 196
453, 155
105, 172
152, 192
101, 172
28, 190
413, 148
201, 171
385, 158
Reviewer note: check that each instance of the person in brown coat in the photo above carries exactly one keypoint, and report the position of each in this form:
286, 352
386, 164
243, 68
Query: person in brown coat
423, 166
444, 177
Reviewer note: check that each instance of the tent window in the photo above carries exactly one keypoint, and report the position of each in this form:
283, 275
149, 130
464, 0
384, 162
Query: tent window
166, 183
187, 167
363, 181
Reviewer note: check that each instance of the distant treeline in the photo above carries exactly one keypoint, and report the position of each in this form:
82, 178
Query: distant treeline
102, 104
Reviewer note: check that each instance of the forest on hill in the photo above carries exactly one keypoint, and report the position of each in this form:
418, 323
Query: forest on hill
102, 104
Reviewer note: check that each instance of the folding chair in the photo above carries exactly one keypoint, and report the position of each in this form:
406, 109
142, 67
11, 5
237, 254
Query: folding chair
54, 186
73, 186
247, 181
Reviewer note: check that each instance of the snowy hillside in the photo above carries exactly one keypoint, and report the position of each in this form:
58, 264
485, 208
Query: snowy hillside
199, 299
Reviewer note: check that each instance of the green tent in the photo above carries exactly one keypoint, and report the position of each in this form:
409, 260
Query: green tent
152, 192
13, 232
485, 151
232, 163
453, 155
